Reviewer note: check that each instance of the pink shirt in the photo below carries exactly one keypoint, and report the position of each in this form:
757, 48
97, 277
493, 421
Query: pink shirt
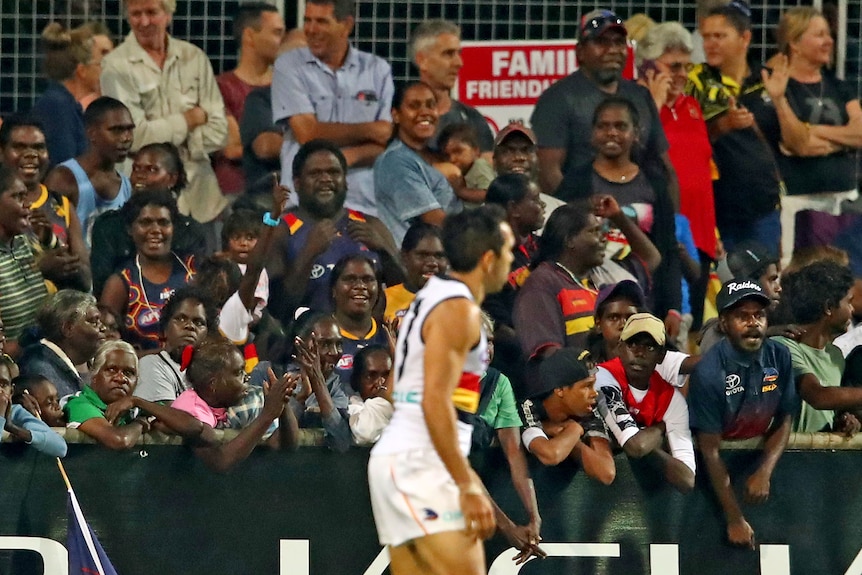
190, 402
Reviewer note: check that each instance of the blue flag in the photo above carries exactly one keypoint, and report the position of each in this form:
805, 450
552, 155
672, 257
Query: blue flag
86, 556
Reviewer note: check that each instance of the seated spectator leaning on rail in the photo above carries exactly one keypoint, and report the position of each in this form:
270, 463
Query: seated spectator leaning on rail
216, 370
742, 388
645, 407
615, 304
93, 410
320, 400
370, 410
23, 425
819, 296
72, 331
562, 419
186, 319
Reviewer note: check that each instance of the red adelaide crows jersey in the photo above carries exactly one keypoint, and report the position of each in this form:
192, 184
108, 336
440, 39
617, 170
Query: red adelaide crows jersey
408, 430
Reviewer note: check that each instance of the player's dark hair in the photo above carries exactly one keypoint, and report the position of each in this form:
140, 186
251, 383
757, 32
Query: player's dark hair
468, 235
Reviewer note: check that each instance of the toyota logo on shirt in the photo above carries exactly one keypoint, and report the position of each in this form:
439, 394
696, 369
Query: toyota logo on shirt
732, 384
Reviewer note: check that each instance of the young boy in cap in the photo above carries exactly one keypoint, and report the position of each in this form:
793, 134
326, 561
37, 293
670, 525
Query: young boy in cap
742, 388
644, 407
562, 417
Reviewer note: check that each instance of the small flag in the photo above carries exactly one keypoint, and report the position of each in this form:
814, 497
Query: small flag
86, 556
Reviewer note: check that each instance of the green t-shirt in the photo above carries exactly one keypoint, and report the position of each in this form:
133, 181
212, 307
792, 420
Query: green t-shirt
502, 411
827, 365
86, 405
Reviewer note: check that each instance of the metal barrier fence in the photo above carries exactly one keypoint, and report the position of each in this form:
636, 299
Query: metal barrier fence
382, 27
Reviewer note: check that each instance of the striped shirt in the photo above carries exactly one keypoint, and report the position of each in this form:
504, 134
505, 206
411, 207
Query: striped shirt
22, 288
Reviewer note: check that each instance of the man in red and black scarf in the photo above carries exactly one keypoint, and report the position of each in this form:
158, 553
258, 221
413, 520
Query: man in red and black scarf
644, 407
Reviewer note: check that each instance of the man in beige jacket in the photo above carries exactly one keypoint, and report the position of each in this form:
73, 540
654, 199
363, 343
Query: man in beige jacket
170, 89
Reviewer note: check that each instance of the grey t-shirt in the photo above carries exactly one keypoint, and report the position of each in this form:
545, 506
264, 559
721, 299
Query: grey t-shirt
160, 378
563, 118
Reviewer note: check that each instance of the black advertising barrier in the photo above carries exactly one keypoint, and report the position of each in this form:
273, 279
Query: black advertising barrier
158, 510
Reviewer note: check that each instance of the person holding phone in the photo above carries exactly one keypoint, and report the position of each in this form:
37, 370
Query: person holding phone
664, 57
734, 98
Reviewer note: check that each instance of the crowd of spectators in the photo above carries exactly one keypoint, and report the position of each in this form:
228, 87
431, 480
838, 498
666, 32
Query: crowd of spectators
646, 307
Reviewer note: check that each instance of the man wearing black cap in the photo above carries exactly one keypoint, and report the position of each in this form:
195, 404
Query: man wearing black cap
645, 407
562, 417
563, 115
742, 388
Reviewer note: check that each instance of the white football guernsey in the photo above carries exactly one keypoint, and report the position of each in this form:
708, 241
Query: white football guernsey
407, 430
